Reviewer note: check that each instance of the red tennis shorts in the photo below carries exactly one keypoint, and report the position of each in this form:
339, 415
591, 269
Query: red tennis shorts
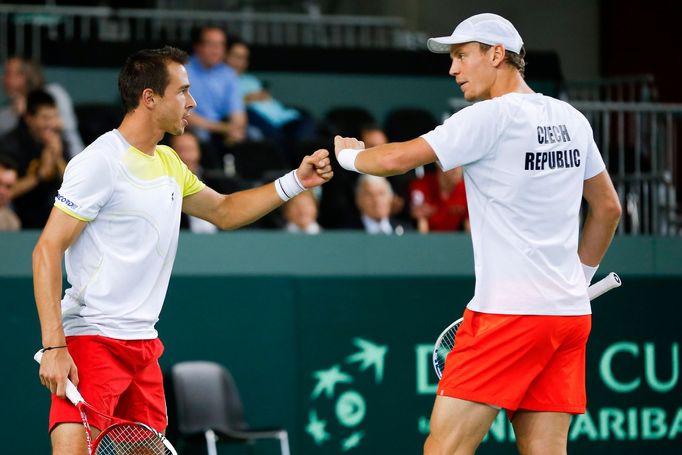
535, 363
117, 377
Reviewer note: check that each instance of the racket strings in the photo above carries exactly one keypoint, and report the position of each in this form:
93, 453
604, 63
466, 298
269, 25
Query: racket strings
131, 439
447, 342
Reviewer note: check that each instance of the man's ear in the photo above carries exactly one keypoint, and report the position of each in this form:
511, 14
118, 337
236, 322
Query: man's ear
148, 98
497, 55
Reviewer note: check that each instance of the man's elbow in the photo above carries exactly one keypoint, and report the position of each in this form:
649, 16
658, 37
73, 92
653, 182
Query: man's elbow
609, 211
41, 252
615, 211
224, 217
37, 253
227, 225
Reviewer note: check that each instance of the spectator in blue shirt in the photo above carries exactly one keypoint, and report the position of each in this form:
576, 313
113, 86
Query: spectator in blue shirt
275, 121
219, 118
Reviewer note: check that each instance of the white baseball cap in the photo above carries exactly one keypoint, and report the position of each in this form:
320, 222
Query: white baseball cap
483, 28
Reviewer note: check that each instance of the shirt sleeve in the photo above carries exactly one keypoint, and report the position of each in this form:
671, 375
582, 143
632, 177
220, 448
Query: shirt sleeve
191, 183
87, 185
187, 181
467, 136
594, 163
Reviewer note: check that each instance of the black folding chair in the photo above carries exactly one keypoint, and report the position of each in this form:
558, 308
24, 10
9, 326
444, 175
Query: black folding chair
207, 403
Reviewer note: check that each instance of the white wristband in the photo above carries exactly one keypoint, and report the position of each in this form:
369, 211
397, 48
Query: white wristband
288, 186
589, 272
346, 158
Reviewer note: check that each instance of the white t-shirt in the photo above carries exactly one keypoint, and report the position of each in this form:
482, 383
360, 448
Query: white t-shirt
120, 265
525, 158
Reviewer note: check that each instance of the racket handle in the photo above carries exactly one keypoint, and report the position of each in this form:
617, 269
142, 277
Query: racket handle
72, 392
611, 281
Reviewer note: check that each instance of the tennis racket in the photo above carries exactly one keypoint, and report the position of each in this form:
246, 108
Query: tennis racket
446, 340
118, 437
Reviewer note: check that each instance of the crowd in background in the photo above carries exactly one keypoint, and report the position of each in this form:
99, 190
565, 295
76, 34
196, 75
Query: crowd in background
239, 136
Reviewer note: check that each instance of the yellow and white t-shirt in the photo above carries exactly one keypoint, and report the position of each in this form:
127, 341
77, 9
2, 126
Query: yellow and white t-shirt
120, 265
525, 158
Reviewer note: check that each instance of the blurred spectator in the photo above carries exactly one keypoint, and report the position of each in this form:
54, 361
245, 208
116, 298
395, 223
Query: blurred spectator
219, 117
372, 135
22, 76
277, 122
373, 197
187, 147
9, 221
300, 214
37, 147
439, 202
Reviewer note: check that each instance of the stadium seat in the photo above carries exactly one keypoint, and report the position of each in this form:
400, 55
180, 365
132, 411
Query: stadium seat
207, 403
258, 160
408, 123
97, 119
347, 121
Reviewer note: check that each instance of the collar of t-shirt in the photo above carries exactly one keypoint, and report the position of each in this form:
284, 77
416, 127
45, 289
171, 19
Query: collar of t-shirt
377, 227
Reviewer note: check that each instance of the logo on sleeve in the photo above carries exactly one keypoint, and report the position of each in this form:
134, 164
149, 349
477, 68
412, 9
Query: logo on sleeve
67, 202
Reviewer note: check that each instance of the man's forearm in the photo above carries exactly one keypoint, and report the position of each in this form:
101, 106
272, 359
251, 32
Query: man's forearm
198, 121
597, 235
47, 286
244, 207
24, 185
390, 159
237, 126
381, 160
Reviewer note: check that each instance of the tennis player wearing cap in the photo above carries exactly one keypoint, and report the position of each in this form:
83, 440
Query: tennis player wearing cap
528, 161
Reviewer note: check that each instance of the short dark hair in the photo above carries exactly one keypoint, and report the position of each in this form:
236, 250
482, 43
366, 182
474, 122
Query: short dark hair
38, 98
197, 34
370, 126
7, 162
235, 40
147, 69
514, 59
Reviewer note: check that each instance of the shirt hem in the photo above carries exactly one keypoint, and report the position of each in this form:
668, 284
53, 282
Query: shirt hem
134, 335
519, 312
72, 214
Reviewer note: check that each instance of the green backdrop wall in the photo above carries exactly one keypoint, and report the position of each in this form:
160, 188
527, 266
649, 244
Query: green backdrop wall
330, 336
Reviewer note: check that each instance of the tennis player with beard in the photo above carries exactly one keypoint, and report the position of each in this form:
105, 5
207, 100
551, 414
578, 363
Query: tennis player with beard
116, 221
528, 161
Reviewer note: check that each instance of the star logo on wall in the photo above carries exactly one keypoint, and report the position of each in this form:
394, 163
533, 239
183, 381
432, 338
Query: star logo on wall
327, 380
370, 354
352, 441
317, 428
348, 404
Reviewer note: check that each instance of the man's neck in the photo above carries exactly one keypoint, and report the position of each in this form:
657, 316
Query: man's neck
140, 132
509, 81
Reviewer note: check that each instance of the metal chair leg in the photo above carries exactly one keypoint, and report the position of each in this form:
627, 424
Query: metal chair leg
211, 439
284, 442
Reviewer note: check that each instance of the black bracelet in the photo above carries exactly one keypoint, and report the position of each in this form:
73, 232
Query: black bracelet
49, 348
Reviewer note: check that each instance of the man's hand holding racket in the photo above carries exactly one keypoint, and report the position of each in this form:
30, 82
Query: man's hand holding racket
114, 436
55, 368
